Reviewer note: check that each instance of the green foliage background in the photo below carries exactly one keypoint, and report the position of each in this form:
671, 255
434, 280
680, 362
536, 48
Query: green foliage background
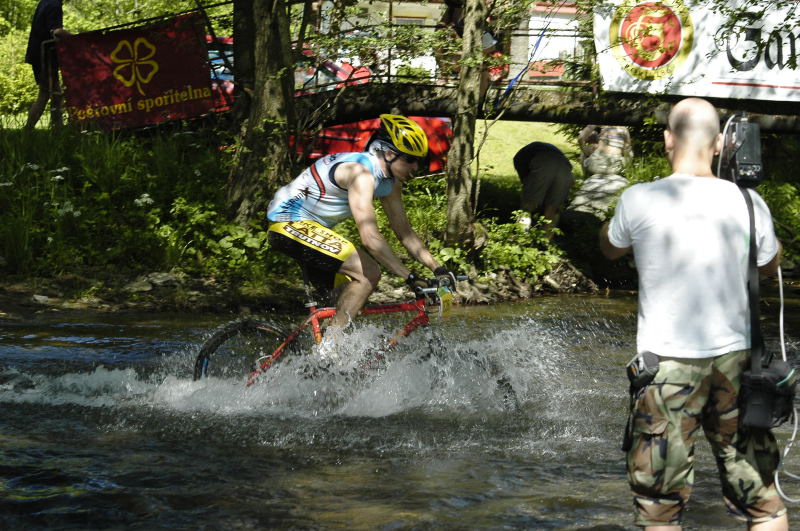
90, 202
134, 202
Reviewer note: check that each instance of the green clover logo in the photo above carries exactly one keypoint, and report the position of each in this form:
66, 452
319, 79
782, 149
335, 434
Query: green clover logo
134, 64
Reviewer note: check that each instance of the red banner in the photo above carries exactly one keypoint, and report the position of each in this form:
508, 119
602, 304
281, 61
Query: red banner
139, 76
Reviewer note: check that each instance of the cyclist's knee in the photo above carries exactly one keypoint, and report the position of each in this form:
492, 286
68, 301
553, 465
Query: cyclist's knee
372, 271
362, 268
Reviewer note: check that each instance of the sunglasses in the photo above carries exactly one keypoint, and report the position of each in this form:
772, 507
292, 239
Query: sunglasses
410, 159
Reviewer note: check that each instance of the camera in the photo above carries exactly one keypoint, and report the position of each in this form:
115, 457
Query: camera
766, 398
740, 157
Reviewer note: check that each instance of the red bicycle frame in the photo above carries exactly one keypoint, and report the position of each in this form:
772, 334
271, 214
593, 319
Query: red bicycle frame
317, 315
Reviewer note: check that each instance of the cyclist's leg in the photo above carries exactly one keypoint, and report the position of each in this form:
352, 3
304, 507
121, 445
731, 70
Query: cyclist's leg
320, 251
364, 273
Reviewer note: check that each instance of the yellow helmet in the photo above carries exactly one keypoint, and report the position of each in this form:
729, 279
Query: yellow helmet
404, 134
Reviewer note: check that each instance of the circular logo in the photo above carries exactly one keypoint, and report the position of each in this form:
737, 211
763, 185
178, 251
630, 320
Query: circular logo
651, 39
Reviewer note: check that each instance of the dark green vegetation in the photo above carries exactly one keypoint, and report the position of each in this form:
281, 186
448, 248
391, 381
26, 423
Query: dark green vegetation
76, 200
117, 205
112, 206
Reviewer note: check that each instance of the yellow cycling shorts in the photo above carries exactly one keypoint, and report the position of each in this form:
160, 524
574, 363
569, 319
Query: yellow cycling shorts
320, 251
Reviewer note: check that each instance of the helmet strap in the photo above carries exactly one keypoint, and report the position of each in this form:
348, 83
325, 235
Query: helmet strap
389, 163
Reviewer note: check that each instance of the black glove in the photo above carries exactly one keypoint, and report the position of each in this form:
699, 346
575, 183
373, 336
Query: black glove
445, 276
415, 283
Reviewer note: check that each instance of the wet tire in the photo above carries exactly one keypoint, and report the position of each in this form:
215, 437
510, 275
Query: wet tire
234, 349
504, 392
508, 396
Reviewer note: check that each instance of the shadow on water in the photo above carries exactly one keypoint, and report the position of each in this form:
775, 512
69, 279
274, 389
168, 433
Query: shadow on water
102, 426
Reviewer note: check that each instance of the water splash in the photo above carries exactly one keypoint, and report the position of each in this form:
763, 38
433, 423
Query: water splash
521, 366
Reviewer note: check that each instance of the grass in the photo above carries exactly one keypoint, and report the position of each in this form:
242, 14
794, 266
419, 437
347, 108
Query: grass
505, 138
500, 186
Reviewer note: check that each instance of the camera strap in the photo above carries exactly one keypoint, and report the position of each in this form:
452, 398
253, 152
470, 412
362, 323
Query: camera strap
756, 338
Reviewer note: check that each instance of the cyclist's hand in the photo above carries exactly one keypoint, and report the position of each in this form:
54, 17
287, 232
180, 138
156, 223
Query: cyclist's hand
446, 277
416, 283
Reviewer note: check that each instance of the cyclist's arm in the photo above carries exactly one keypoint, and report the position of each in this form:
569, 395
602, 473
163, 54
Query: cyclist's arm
360, 197
393, 206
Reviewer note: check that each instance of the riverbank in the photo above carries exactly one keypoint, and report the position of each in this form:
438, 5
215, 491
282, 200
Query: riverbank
24, 298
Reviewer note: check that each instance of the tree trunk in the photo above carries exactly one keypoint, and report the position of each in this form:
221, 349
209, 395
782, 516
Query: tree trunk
309, 13
262, 160
244, 67
460, 198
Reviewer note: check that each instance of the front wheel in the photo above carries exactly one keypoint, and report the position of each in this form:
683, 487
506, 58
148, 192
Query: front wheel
234, 350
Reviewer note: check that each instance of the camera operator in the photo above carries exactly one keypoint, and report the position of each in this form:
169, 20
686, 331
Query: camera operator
689, 233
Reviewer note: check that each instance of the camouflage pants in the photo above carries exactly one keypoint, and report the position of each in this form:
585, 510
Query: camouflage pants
687, 394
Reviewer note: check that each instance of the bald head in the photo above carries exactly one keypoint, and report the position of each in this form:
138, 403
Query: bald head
694, 121
692, 137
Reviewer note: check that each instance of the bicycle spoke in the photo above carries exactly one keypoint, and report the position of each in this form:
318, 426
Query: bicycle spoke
233, 350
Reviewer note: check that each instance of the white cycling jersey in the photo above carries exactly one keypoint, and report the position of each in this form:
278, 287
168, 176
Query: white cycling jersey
314, 195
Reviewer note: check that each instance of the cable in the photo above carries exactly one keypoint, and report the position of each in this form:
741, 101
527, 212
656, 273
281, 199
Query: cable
781, 463
728, 123
780, 314
793, 438
511, 84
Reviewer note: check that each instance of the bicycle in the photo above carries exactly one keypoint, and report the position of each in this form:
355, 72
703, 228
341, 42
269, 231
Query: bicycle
237, 340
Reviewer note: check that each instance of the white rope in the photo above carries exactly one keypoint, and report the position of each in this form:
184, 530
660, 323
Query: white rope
781, 463
793, 438
780, 314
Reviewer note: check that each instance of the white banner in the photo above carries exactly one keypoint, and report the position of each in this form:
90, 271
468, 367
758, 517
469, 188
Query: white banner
676, 47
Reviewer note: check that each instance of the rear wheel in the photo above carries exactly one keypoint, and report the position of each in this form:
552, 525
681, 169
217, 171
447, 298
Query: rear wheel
235, 350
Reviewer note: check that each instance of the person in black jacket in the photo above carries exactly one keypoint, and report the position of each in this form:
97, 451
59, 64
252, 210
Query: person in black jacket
546, 176
46, 25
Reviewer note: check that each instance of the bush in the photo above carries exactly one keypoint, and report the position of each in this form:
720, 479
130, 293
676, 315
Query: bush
17, 87
412, 74
114, 200
198, 240
529, 254
784, 203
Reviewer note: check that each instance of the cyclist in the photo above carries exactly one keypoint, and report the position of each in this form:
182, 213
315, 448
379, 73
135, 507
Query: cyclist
336, 187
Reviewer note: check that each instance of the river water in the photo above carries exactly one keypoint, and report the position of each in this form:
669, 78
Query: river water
102, 427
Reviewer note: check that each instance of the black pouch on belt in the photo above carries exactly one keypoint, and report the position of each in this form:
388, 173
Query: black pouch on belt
641, 370
766, 398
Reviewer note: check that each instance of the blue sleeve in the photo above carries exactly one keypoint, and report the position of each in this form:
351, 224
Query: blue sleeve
362, 158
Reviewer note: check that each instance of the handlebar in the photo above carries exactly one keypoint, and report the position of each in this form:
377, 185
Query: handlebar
435, 283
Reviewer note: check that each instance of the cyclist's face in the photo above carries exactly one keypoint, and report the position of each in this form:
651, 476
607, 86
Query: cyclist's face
403, 165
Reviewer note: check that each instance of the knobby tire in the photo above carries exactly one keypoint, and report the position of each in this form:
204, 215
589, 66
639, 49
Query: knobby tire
233, 349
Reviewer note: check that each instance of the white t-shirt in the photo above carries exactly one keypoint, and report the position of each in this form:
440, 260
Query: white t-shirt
690, 238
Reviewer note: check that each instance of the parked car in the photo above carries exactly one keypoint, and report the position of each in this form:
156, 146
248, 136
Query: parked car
329, 75
311, 76
220, 61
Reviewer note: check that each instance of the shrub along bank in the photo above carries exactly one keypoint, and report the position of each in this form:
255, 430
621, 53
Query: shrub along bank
84, 214
122, 220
